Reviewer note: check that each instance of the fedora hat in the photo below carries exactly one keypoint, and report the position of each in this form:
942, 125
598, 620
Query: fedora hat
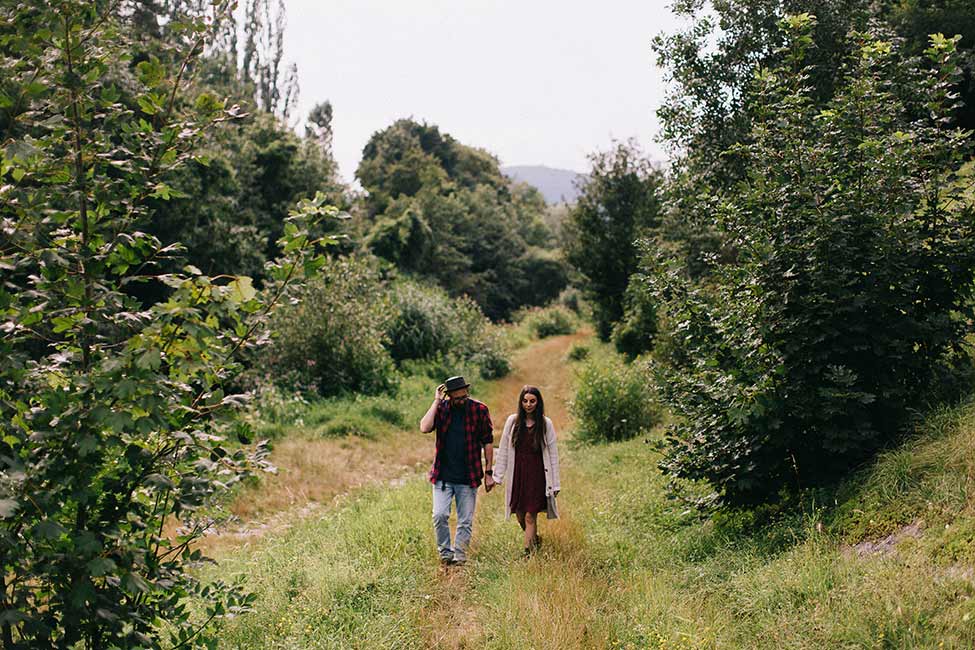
455, 383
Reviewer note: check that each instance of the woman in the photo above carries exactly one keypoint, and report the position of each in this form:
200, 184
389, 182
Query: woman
527, 462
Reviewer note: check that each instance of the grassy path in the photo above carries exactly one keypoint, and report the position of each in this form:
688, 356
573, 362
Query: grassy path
625, 567
467, 618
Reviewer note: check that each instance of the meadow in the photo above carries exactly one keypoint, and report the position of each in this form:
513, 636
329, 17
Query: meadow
885, 563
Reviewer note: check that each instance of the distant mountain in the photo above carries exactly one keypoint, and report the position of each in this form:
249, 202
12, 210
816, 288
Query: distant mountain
556, 185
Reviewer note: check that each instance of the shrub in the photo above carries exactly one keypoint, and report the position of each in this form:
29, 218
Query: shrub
491, 356
427, 324
851, 286
577, 352
332, 338
274, 405
612, 402
571, 299
550, 321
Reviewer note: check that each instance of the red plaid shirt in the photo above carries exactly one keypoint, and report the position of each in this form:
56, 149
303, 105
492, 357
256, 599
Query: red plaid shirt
479, 430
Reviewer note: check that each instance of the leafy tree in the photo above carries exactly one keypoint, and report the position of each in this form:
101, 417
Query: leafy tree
710, 66
443, 210
319, 126
229, 207
711, 104
619, 203
852, 282
113, 413
636, 332
916, 20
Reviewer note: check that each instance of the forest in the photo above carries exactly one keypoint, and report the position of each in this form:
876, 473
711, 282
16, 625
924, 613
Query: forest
763, 342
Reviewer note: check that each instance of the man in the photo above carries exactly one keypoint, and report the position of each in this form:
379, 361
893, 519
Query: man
463, 427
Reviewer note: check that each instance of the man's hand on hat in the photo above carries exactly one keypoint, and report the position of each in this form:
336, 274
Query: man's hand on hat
441, 393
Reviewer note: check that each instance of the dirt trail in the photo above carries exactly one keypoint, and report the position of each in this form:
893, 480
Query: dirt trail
455, 622
541, 364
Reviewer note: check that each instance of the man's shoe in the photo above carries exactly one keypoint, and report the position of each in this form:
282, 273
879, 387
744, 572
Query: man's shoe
458, 561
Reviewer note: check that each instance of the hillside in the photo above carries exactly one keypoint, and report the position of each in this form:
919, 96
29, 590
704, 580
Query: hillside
556, 185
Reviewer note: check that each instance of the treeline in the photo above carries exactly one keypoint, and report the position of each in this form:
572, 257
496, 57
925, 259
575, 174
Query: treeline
800, 277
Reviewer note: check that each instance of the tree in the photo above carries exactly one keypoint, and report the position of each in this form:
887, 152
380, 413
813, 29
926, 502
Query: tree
319, 126
618, 204
114, 414
851, 289
441, 209
263, 58
710, 65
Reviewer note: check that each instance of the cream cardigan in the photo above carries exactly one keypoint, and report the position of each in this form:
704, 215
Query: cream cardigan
504, 465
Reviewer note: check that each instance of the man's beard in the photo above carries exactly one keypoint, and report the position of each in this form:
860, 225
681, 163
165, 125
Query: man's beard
458, 401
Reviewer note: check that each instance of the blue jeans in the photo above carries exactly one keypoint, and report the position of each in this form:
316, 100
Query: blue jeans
466, 496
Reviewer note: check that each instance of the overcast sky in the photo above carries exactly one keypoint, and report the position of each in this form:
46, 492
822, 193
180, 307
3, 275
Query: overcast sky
535, 82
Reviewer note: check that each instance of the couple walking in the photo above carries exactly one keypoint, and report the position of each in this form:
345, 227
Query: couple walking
527, 464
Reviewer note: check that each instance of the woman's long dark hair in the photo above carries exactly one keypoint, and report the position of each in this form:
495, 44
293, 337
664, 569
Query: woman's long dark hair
539, 415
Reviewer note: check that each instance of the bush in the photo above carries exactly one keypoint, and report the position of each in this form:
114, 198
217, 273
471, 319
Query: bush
332, 339
577, 353
274, 405
571, 299
491, 357
851, 287
554, 320
427, 324
612, 402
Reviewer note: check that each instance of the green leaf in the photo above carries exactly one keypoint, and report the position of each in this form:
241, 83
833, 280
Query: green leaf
150, 359
147, 106
100, 566
135, 584
242, 290
161, 191
160, 481
150, 73
48, 529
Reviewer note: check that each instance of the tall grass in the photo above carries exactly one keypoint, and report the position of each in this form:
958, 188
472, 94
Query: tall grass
353, 578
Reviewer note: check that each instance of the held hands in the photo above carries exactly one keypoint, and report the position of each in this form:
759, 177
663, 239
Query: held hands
489, 483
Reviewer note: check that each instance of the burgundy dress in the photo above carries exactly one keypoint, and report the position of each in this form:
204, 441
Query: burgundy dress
528, 484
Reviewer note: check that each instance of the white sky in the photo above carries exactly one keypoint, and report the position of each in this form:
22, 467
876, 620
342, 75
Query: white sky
532, 81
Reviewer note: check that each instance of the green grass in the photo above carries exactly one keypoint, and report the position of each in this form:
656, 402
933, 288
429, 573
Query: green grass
626, 567
351, 579
279, 415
